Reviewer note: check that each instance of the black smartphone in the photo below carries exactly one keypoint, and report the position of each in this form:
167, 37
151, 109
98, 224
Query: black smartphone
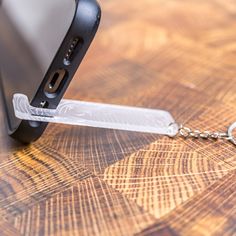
42, 43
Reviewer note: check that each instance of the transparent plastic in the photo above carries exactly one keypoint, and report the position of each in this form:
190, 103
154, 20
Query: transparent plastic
98, 115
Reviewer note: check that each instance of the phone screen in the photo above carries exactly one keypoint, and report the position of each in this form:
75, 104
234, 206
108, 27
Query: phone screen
31, 32
42, 24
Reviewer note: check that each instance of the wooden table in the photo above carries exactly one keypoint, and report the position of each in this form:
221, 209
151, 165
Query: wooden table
178, 55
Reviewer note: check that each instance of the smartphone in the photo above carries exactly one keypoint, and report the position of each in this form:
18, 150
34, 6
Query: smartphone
42, 43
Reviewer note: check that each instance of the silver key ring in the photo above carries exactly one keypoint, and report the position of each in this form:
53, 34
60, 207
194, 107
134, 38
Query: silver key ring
232, 138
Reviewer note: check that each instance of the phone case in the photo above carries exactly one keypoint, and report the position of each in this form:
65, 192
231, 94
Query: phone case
82, 31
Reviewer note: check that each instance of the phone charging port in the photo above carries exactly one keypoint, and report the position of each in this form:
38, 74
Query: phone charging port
55, 83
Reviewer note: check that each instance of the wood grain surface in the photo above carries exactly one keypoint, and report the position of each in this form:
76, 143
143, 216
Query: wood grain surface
177, 55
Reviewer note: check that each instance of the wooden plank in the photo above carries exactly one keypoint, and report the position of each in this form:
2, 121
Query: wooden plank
6, 229
177, 55
212, 212
87, 208
163, 175
32, 175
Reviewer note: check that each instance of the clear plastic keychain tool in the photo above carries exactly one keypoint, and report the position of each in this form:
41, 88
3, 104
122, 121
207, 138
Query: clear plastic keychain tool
108, 116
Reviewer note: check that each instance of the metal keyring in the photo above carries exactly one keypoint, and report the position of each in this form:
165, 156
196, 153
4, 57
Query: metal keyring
230, 133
